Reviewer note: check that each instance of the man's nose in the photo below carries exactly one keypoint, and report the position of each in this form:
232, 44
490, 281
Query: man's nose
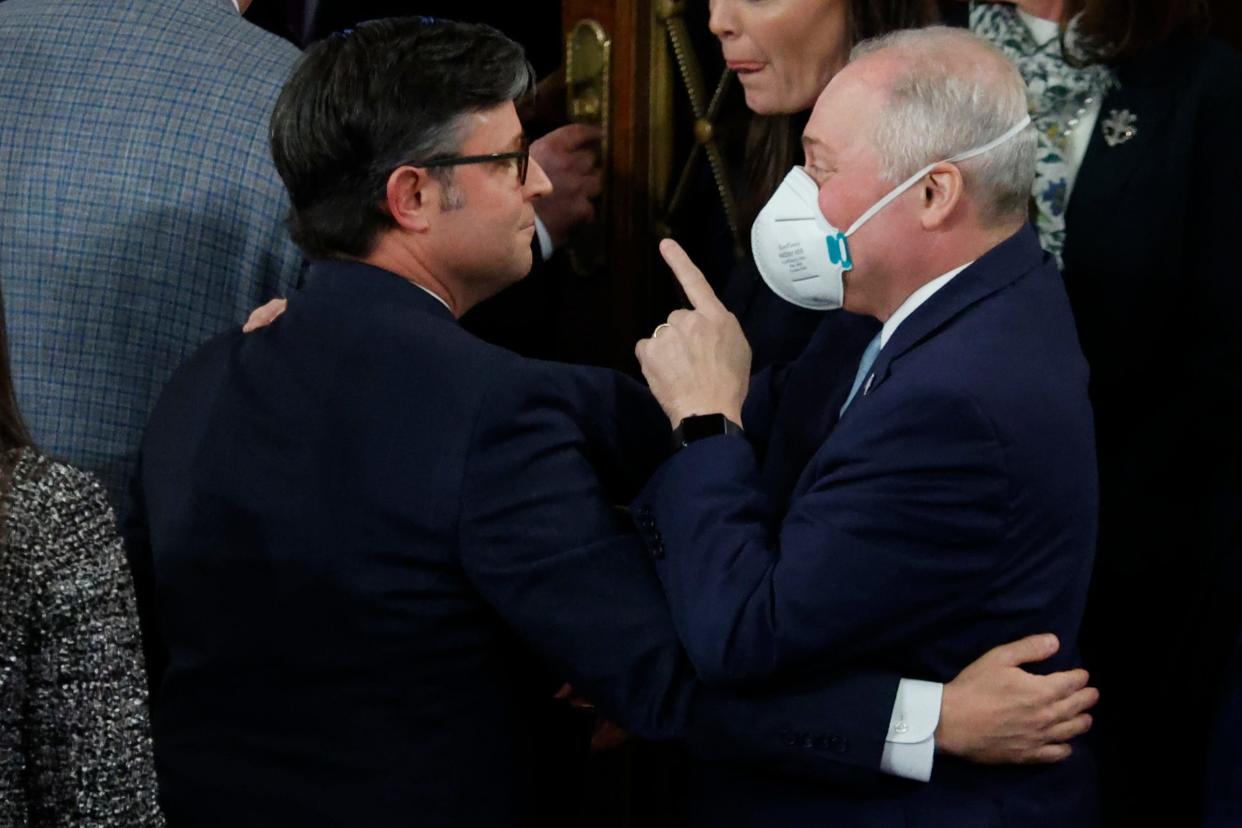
537, 182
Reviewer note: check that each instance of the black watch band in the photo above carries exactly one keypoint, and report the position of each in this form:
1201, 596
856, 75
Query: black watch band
698, 426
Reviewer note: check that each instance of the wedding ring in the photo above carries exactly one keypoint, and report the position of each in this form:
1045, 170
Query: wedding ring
659, 328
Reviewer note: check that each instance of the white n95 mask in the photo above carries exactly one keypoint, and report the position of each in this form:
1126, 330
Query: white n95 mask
800, 255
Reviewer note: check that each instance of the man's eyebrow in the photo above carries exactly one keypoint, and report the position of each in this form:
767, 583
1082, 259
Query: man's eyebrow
518, 141
809, 143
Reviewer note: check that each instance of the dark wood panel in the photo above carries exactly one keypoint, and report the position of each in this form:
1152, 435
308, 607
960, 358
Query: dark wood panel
620, 285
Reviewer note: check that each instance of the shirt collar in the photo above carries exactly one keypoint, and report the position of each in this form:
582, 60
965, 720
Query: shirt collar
1044, 31
433, 295
914, 300
363, 283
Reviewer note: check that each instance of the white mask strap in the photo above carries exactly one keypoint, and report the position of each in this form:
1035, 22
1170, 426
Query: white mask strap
961, 156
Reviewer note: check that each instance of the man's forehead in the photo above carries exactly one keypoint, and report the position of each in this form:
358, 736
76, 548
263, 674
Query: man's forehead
844, 110
495, 126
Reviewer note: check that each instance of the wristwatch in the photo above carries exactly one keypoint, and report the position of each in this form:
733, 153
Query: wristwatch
698, 426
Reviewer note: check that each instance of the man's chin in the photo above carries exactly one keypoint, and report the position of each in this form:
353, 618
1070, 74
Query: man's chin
849, 302
517, 269
522, 265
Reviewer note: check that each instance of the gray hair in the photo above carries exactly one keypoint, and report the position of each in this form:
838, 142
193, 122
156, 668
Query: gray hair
955, 92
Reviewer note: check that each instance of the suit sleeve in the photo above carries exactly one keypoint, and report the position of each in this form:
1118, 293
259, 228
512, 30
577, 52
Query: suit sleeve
759, 411
544, 544
887, 540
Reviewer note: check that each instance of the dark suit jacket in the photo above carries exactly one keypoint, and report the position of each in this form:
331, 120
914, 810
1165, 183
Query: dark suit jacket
951, 509
1223, 783
363, 521
1152, 272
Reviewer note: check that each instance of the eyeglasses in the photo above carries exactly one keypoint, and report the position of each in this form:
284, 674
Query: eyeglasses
522, 157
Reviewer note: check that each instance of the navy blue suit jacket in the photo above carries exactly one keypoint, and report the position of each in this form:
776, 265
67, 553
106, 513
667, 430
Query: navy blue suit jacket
365, 525
951, 509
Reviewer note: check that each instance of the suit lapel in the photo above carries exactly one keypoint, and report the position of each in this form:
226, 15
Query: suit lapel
1141, 98
996, 269
813, 391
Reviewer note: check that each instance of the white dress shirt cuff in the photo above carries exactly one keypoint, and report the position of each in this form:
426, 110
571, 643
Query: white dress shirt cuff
911, 744
545, 239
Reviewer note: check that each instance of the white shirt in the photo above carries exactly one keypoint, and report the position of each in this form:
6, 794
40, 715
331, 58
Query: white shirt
545, 239
914, 300
433, 295
910, 746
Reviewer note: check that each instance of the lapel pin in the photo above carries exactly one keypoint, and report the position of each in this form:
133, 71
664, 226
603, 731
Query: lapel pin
1120, 126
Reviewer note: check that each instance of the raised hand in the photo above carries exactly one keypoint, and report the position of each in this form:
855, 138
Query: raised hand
698, 362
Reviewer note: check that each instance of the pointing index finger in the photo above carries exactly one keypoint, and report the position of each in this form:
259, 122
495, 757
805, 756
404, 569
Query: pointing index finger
691, 279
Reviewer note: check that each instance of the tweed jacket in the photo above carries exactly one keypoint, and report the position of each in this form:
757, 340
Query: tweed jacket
140, 211
75, 740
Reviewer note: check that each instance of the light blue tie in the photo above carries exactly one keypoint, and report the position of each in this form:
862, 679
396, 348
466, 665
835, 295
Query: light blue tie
864, 365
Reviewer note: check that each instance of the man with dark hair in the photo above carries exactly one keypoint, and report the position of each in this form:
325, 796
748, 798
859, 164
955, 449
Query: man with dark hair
364, 520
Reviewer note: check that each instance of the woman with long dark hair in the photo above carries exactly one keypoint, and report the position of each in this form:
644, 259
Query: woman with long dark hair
75, 745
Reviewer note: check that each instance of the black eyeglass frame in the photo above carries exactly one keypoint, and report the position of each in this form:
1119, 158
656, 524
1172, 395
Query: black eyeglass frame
522, 156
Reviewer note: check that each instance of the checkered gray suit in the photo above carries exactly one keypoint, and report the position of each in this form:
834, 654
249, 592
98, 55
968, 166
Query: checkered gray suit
140, 212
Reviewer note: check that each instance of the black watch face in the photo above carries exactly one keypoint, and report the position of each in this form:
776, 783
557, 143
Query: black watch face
700, 426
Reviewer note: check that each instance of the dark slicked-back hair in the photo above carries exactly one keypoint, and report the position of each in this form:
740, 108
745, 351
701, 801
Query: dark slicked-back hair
363, 101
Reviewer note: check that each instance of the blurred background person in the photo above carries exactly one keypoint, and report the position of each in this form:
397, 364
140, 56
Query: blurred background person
1136, 187
75, 741
140, 211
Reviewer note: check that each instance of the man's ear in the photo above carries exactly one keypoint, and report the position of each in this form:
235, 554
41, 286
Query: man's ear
942, 190
408, 198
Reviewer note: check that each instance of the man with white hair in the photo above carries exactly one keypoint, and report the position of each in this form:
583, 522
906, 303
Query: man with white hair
942, 501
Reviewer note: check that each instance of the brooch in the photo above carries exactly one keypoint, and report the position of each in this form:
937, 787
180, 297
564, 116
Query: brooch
1120, 126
